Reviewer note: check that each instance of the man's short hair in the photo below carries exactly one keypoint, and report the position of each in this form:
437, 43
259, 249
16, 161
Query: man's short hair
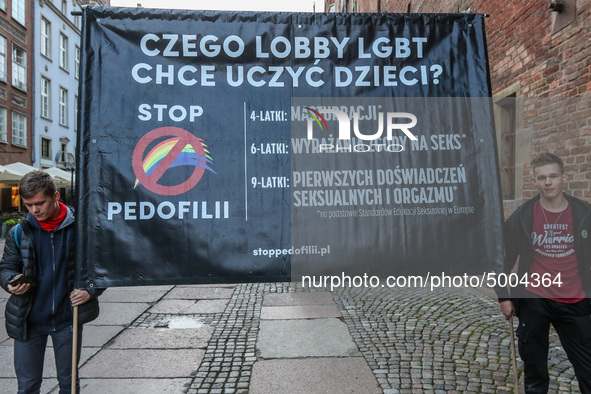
547, 158
35, 182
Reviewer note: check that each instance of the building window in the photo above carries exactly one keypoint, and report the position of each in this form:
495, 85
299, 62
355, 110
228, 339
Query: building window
64, 52
45, 148
2, 58
63, 152
3, 128
45, 98
18, 11
63, 107
78, 21
45, 38
19, 68
77, 62
64, 7
3, 5
19, 129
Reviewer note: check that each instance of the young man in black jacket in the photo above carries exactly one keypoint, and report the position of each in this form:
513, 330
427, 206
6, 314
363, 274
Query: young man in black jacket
41, 250
551, 236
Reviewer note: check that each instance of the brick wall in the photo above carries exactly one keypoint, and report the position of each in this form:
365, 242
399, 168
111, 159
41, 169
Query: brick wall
13, 99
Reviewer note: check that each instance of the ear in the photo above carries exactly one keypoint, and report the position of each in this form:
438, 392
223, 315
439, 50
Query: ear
564, 177
56, 196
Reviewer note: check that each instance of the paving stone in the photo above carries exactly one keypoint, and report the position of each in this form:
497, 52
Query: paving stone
143, 363
287, 299
313, 375
163, 338
119, 314
299, 312
98, 336
305, 338
200, 293
134, 386
134, 294
189, 306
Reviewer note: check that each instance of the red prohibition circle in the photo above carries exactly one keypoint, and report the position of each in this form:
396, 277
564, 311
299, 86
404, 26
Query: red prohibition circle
150, 182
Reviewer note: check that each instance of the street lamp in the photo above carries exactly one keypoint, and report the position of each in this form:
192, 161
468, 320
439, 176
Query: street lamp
68, 162
70, 165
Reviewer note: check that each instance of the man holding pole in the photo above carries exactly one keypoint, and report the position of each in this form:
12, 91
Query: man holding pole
551, 236
37, 268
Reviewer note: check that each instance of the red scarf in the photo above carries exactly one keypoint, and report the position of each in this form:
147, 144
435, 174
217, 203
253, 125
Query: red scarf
52, 224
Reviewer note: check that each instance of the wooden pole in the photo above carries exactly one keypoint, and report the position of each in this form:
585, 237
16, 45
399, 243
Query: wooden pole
513, 355
75, 351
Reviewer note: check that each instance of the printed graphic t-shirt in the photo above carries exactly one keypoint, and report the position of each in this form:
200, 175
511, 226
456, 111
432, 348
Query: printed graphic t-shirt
554, 257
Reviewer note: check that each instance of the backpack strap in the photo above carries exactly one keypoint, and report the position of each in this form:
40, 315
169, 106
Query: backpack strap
16, 235
23, 226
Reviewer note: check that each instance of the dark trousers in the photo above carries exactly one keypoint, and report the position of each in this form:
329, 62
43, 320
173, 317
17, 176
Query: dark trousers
30, 354
573, 325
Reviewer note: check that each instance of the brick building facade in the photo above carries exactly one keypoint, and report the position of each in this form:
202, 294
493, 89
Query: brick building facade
540, 65
16, 63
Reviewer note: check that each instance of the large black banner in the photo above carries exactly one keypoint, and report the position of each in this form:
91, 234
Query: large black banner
235, 146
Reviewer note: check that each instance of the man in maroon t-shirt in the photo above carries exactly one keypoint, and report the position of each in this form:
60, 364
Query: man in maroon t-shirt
550, 235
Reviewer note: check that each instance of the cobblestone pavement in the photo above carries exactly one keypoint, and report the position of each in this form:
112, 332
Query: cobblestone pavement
448, 340
231, 352
415, 341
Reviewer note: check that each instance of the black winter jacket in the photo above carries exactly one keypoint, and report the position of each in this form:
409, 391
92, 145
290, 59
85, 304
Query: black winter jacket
518, 243
21, 255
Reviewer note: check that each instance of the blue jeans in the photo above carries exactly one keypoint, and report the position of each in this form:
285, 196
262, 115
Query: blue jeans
30, 354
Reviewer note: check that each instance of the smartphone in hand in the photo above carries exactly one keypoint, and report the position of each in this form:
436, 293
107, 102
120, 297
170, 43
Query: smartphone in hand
19, 280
